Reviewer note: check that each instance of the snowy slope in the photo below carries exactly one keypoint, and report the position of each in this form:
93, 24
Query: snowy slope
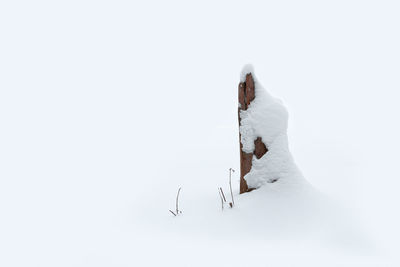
286, 216
289, 209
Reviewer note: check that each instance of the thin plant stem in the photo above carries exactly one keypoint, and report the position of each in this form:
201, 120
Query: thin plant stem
177, 200
172, 212
223, 195
230, 183
222, 201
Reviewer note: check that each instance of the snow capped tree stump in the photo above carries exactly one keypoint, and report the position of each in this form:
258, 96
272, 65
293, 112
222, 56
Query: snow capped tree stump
265, 159
246, 96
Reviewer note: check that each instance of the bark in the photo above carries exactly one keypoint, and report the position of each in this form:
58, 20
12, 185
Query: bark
246, 96
260, 148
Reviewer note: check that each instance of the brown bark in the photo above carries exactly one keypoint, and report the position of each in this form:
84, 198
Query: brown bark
246, 95
260, 148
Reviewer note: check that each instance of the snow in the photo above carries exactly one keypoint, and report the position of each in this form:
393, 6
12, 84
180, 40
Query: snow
107, 108
266, 117
289, 209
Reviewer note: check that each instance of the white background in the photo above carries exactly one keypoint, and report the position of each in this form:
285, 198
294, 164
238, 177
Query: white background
106, 107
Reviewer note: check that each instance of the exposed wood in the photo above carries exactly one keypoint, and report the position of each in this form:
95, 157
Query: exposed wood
250, 89
260, 148
245, 167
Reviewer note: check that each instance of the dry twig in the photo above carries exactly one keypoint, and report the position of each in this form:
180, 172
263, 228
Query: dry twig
177, 211
172, 212
222, 200
222, 193
177, 199
230, 185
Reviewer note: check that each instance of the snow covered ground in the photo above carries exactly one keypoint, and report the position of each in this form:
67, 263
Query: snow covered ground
106, 108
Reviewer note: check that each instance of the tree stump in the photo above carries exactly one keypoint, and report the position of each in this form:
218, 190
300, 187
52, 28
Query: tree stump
246, 96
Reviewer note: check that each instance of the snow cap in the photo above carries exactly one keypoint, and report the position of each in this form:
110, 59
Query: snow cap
248, 68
